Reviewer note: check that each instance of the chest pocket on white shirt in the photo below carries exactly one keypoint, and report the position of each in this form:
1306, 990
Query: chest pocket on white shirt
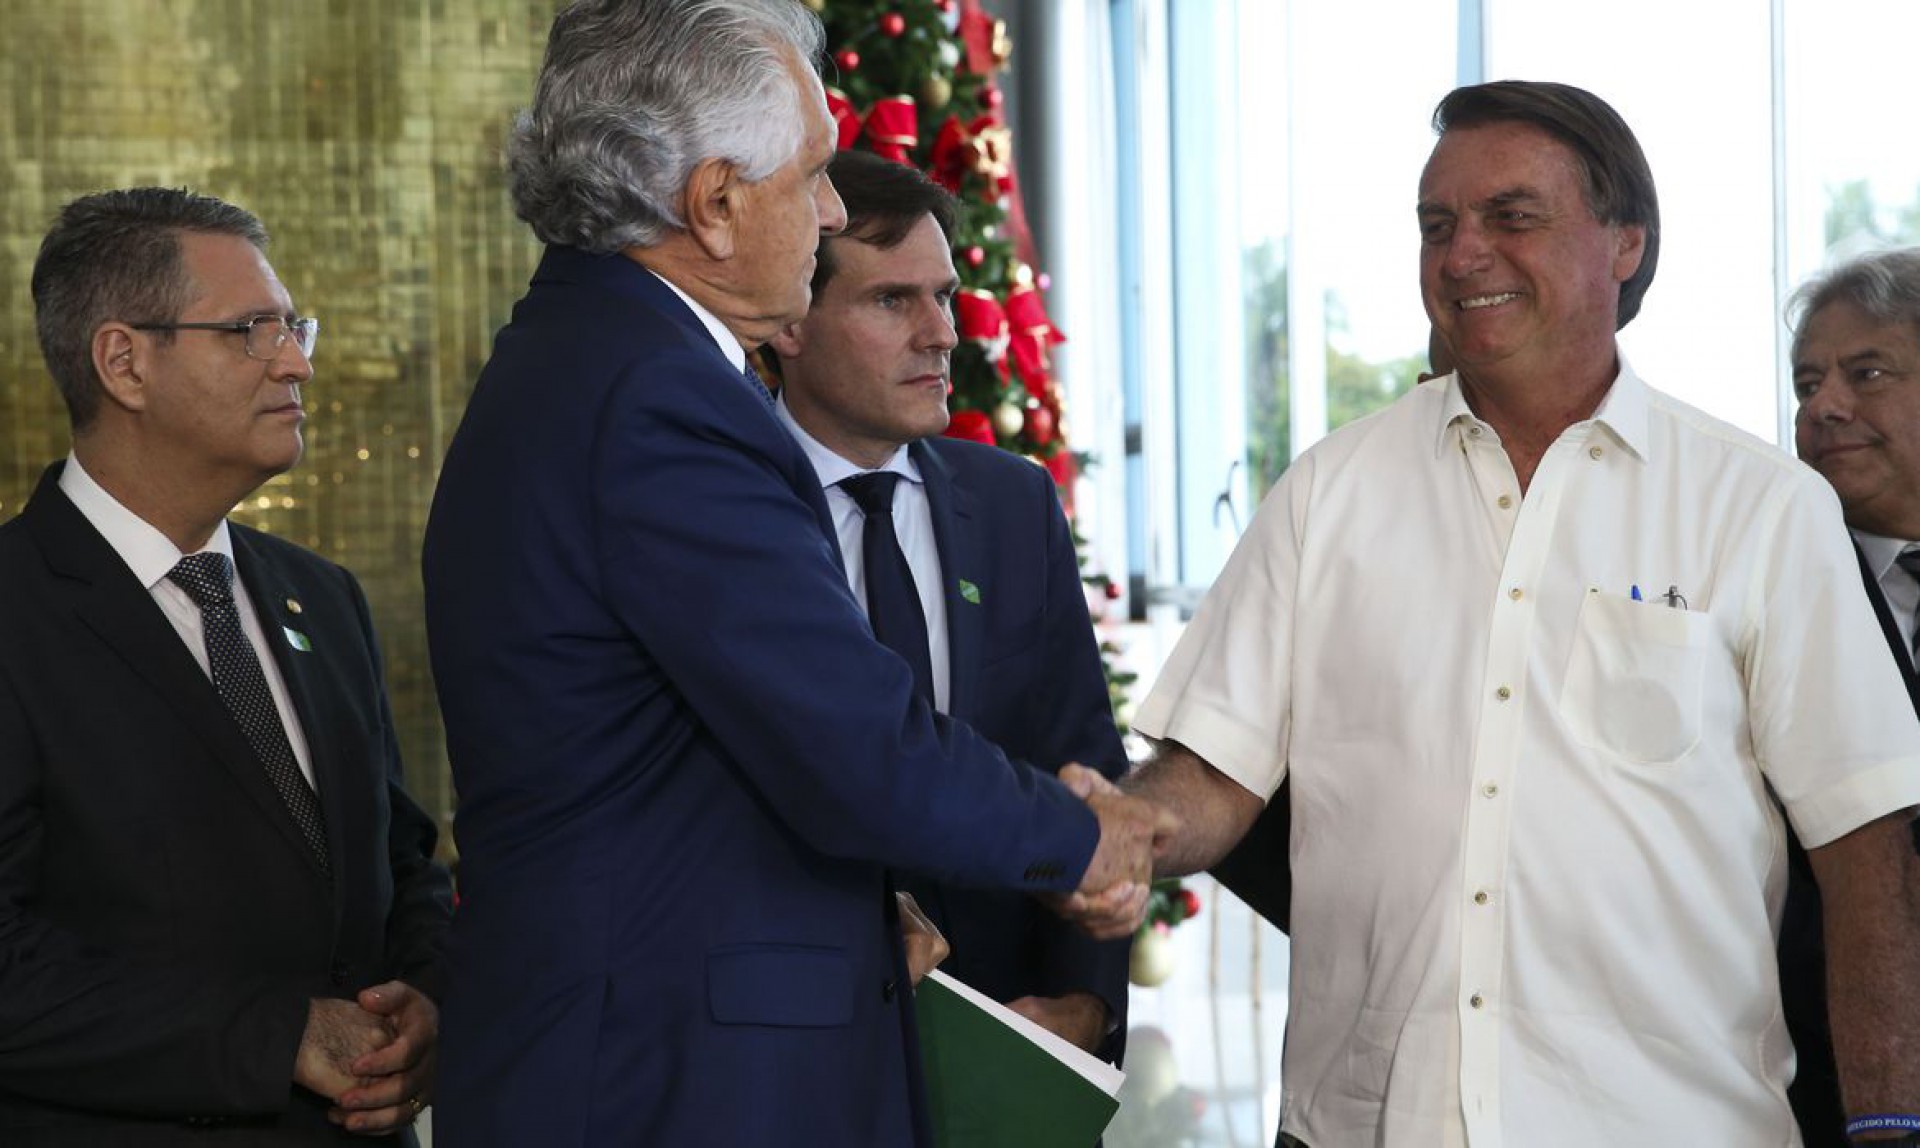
1634, 679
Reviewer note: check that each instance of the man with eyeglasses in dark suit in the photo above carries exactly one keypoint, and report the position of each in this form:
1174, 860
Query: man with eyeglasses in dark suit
220, 919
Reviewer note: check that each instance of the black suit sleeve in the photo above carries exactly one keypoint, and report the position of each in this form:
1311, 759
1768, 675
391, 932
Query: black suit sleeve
422, 891
1257, 871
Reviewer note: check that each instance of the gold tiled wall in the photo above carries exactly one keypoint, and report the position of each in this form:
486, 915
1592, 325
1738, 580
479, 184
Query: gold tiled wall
366, 134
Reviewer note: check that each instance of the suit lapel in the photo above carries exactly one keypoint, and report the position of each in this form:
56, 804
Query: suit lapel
1902, 653
275, 597
110, 601
956, 528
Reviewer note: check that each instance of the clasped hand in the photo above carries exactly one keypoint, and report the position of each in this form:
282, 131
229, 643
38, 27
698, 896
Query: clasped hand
372, 1056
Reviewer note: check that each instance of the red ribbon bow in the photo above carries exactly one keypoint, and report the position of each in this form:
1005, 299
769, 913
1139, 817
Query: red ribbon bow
845, 119
893, 127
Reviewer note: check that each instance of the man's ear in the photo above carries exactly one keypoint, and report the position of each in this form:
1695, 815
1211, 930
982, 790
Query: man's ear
712, 206
119, 362
1630, 249
790, 340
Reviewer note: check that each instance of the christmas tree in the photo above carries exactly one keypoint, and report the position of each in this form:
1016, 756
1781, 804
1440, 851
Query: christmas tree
914, 80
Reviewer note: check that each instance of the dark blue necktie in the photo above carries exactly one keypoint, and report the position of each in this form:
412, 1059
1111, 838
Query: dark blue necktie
893, 603
242, 685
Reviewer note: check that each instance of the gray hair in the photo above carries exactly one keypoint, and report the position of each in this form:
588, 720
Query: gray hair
1884, 285
115, 255
634, 93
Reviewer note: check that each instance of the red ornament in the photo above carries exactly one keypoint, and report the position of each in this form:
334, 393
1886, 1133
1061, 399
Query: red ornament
1190, 902
1113, 591
976, 255
991, 97
1040, 425
893, 24
943, 6
847, 60
973, 426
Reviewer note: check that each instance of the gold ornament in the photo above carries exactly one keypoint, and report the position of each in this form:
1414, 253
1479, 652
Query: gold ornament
1008, 420
993, 152
1152, 959
815, 5
936, 92
1002, 44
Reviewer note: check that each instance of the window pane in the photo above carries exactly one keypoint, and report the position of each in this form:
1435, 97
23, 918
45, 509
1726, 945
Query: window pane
1337, 130
1853, 178
1694, 81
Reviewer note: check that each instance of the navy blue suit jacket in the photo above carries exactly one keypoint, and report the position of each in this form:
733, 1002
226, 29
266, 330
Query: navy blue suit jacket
684, 764
1026, 674
162, 921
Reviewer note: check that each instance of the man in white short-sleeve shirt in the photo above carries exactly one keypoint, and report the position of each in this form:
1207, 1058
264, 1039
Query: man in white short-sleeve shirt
1551, 660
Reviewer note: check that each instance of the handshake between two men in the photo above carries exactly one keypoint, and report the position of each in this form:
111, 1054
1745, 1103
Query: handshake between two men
1111, 901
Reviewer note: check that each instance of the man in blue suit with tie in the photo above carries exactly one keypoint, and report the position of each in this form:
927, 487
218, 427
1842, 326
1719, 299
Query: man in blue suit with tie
687, 771
994, 575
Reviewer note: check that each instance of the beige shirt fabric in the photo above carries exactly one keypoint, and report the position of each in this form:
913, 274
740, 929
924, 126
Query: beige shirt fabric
1534, 746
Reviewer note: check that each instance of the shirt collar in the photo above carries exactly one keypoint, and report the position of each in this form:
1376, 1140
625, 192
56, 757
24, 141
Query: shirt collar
1880, 552
1623, 412
830, 467
147, 552
729, 345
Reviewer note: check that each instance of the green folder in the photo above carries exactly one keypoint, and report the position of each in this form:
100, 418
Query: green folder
997, 1080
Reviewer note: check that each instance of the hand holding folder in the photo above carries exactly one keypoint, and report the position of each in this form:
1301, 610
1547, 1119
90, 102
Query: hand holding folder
997, 1080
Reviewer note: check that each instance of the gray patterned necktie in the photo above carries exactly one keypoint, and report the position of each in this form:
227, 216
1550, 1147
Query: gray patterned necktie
1909, 560
208, 580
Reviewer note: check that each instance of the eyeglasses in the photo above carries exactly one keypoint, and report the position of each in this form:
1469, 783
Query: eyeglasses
266, 334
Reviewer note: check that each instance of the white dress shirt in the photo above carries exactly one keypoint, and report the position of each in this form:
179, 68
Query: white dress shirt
912, 525
150, 555
1896, 585
729, 345
1537, 868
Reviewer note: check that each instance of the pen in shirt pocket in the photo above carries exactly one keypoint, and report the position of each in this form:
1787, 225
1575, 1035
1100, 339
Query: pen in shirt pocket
1672, 597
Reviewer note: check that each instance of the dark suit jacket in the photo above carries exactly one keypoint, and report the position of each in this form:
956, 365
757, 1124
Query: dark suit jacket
162, 923
1257, 871
1026, 674
684, 764
1815, 1091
